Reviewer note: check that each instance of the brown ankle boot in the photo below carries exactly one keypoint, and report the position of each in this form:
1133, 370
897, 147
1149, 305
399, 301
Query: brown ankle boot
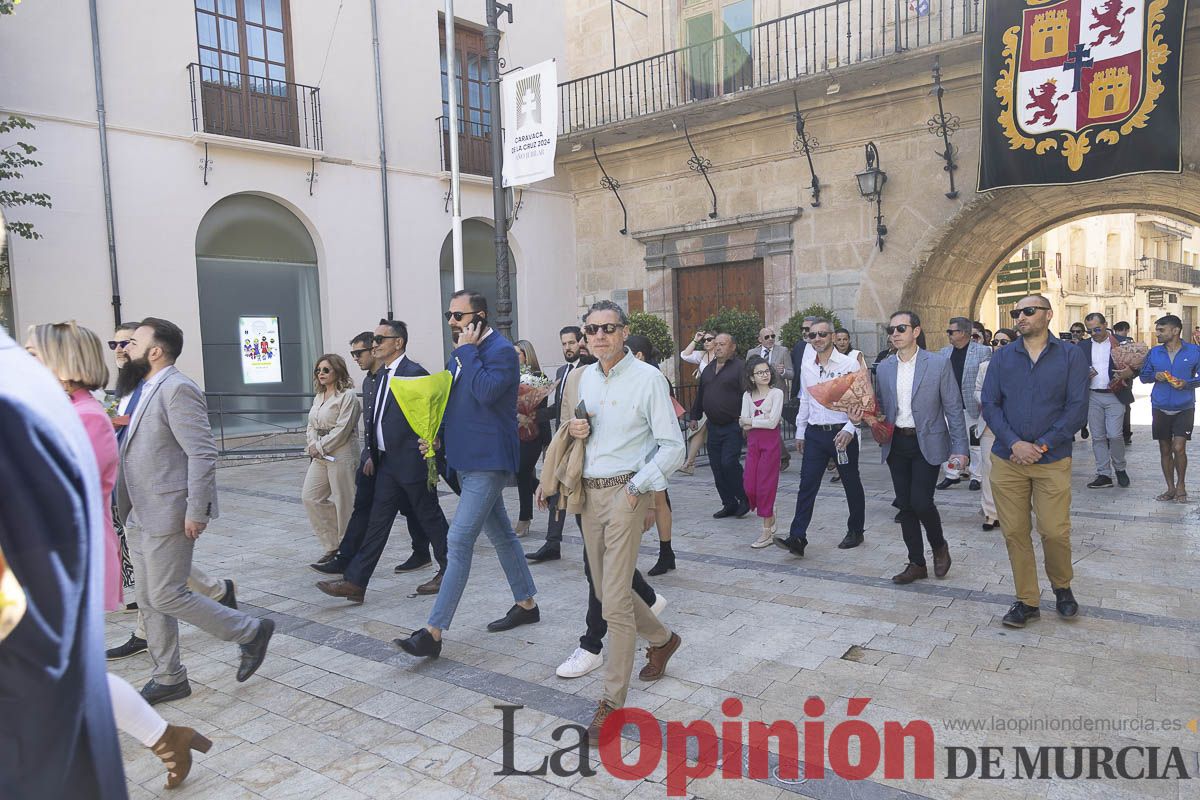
175, 749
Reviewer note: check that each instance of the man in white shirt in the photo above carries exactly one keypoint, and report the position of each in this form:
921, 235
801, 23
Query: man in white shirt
822, 435
1106, 407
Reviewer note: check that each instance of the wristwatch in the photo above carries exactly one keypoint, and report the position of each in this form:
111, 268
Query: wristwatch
632, 490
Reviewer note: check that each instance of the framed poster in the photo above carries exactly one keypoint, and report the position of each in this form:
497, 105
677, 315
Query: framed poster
259, 338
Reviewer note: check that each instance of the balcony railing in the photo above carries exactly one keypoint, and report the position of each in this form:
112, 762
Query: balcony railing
474, 146
1082, 280
253, 107
810, 42
1117, 282
1159, 270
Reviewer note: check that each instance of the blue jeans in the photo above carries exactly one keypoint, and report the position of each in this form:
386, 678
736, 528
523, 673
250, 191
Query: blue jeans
481, 507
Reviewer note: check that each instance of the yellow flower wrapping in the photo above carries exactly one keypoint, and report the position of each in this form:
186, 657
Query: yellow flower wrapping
423, 401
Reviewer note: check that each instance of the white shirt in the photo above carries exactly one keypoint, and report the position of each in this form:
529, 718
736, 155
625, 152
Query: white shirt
906, 372
123, 404
380, 396
1100, 355
812, 372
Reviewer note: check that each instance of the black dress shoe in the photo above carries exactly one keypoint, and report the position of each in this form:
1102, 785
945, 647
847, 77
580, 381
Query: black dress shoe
1123, 479
853, 539
1019, 614
742, 510
229, 599
547, 552
515, 617
421, 644
989, 524
155, 692
792, 545
898, 516
254, 653
415, 561
1065, 602
130, 648
974, 486
948, 482
723, 513
333, 567
1101, 482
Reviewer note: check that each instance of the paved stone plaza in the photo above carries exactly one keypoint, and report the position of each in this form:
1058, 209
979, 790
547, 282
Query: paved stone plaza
337, 712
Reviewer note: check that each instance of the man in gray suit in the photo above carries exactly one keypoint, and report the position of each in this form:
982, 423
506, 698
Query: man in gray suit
919, 395
965, 356
166, 495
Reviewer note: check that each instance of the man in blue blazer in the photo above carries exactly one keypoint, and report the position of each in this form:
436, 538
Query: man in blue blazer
57, 737
482, 448
401, 482
919, 394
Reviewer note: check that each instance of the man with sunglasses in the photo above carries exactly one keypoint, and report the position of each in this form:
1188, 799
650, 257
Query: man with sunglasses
824, 435
965, 355
1034, 398
719, 399
798, 355
1106, 406
483, 449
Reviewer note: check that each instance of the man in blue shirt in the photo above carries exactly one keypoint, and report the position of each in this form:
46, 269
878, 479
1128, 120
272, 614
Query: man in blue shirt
1172, 367
1035, 397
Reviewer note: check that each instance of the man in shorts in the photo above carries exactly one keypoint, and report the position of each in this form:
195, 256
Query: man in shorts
1174, 369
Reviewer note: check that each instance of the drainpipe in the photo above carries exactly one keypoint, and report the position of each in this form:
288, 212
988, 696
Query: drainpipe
101, 119
383, 181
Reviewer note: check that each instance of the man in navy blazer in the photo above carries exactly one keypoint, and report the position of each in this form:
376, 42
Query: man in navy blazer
482, 448
401, 478
57, 737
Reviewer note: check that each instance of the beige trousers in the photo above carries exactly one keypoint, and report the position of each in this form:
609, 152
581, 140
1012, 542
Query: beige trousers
199, 582
328, 496
612, 533
987, 500
1046, 490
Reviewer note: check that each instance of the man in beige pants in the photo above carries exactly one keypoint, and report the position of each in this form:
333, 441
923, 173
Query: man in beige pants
632, 443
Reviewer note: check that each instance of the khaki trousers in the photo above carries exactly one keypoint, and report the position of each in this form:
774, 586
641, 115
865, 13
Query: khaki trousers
1046, 490
612, 533
328, 496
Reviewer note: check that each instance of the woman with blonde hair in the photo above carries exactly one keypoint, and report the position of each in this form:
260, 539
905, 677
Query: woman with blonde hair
533, 428
74, 355
328, 492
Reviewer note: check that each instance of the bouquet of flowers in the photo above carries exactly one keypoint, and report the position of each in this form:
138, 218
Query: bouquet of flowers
533, 389
1129, 355
111, 406
853, 391
423, 401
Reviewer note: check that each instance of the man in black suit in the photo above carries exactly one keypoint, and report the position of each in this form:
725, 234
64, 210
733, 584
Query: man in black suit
58, 735
400, 473
570, 337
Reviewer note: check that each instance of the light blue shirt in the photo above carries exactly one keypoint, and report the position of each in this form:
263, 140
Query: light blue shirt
634, 428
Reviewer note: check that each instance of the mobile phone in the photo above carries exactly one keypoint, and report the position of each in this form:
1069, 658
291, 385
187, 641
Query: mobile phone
581, 411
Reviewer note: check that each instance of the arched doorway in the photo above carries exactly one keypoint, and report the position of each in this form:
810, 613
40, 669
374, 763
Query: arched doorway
260, 308
479, 271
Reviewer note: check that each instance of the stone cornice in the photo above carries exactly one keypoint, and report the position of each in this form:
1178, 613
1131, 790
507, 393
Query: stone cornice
721, 225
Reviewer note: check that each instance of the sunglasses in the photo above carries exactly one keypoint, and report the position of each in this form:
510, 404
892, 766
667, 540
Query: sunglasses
822, 334
1028, 311
1097, 330
609, 329
804, 329
952, 331
458, 315
356, 353
769, 336
710, 338
119, 344
1000, 342
322, 371
377, 339
897, 329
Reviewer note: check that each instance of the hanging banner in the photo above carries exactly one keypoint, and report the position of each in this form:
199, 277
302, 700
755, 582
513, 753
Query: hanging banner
1079, 90
260, 349
529, 111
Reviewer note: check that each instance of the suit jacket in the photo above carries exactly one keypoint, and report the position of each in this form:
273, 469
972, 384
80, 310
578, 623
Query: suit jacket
779, 357
1124, 395
481, 417
797, 363
936, 406
57, 738
976, 354
403, 456
369, 388
168, 458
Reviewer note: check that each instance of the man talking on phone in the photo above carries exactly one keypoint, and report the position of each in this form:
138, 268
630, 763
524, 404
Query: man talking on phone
482, 447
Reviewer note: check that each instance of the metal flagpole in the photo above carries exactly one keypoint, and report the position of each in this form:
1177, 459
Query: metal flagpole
491, 40
455, 186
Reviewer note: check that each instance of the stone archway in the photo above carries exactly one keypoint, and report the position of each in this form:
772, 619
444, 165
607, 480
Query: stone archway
950, 277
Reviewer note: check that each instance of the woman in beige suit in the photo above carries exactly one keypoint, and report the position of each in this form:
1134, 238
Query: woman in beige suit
332, 445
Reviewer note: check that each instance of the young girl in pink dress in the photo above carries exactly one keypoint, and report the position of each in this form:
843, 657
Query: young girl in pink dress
762, 409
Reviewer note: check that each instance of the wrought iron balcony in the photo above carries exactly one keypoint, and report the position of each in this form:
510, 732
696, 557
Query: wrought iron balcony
1079, 279
253, 107
474, 146
1157, 271
809, 42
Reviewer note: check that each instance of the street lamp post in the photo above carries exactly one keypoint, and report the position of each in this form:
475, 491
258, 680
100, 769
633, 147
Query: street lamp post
491, 41
870, 185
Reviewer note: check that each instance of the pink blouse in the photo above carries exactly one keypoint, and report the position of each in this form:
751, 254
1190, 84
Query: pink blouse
104, 444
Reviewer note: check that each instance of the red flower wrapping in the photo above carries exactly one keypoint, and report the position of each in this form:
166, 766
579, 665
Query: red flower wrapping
528, 399
852, 391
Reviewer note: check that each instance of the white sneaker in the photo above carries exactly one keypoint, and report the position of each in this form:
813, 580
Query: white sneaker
660, 602
579, 664
764, 539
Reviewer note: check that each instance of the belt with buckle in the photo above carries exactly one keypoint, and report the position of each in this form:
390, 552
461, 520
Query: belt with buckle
905, 431
1103, 391
835, 427
608, 483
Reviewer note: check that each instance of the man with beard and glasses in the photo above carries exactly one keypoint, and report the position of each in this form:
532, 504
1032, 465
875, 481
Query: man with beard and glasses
127, 393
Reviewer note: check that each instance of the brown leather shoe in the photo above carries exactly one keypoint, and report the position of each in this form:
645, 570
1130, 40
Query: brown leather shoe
352, 592
911, 573
432, 585
602, 713
941, 561
175, 748
657, 658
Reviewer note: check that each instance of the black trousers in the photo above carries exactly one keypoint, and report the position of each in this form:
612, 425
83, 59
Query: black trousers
527, 477
914, 480
390, 496
356, 527
724, 454
593, 638
556, 523
1126, 430
818, 452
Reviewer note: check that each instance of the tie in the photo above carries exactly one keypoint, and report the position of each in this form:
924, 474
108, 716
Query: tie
132, 407
766, 353
381, 397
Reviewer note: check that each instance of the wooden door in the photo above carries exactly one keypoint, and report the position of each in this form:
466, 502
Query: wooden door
474, 100
701, 292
